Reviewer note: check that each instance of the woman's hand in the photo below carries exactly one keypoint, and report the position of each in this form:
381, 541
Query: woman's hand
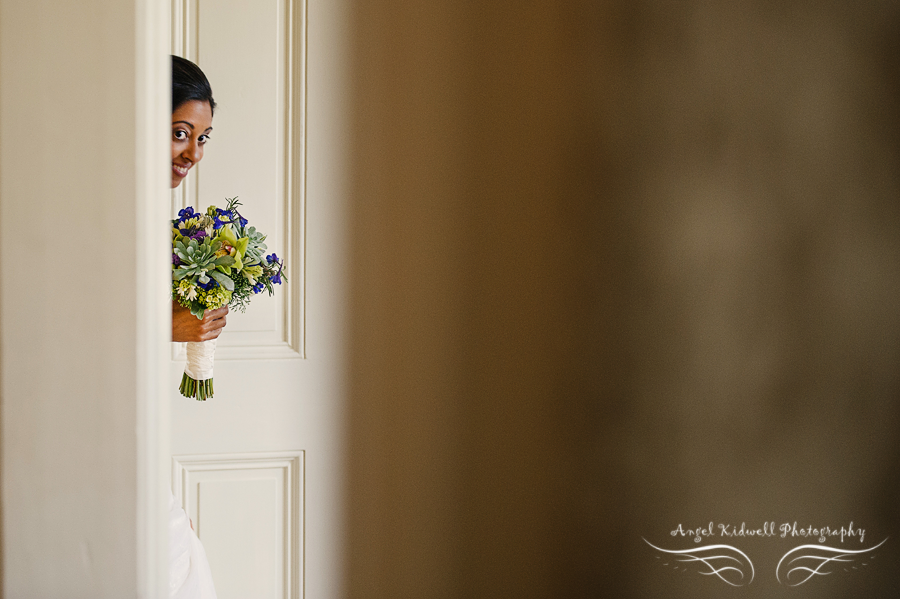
187, 327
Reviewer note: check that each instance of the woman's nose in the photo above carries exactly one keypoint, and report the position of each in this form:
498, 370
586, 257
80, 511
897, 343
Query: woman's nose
194, 152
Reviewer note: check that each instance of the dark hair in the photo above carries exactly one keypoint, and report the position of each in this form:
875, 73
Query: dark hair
189, 83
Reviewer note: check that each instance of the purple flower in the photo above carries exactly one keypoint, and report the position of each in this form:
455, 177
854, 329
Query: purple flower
175, 259
273, 259
186, 213
199, 234
223, 217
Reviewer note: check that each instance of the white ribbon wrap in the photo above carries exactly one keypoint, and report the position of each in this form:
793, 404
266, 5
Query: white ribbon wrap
200, 355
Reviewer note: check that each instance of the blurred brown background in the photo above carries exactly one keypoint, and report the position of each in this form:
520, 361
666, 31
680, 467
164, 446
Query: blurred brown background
620, 266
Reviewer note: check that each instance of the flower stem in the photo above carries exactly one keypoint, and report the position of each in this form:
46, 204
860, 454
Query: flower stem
199, 390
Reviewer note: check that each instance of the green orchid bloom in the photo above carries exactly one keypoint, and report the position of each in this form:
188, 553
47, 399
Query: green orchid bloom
227, 236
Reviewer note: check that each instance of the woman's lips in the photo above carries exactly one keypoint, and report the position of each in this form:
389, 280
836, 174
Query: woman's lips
180, 170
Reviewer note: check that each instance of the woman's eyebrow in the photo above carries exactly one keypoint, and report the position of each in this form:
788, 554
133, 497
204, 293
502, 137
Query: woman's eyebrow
185, 122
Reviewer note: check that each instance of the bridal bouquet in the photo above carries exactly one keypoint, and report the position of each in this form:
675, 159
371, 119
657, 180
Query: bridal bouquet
217, 260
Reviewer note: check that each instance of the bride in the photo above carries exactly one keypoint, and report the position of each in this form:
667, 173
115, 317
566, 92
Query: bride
192, 112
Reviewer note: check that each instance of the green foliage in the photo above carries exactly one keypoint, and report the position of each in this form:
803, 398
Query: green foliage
232, 257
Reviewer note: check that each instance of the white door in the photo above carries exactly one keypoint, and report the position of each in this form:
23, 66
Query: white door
258, 466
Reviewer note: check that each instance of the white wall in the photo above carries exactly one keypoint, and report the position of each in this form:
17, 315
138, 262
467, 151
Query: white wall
79, 350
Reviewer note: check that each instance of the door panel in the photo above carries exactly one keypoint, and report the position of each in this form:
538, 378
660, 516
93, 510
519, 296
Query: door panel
251, 506
254, 56
263, 454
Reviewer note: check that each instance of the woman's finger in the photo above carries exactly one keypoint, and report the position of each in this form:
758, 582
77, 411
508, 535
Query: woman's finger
218, 312
213, 322
211, 333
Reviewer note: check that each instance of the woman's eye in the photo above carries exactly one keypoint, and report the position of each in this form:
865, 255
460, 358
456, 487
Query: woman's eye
203, 139
180, 134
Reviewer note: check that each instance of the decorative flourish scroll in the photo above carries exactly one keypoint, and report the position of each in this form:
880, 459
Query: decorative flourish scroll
727, 563
820, 560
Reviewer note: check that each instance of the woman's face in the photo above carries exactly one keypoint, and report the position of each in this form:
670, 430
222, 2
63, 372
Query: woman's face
191, 125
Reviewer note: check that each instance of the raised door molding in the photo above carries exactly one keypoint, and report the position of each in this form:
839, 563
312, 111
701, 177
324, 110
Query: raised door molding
247, 509
254, 53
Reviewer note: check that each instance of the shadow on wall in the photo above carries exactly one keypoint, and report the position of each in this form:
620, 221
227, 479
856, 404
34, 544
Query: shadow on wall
761, 147
621, 267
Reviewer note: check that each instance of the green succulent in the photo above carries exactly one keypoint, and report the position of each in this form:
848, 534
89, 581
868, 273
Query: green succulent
199, 260
256, 249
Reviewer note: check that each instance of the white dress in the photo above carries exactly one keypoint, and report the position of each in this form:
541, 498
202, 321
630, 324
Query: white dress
189, 574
